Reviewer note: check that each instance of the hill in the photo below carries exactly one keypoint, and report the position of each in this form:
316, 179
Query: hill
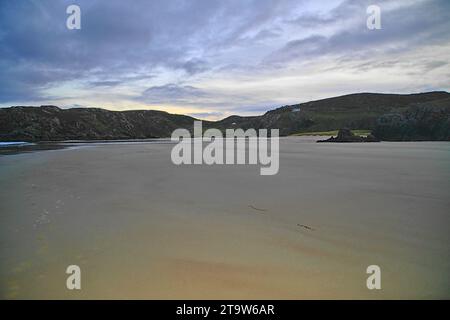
355, 111
52, 123
422, 116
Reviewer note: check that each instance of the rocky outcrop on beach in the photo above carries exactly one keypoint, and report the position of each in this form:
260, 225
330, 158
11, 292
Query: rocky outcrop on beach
346, 135
422, 116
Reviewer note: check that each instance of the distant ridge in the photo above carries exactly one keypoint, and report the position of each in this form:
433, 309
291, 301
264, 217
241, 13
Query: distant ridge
419, 116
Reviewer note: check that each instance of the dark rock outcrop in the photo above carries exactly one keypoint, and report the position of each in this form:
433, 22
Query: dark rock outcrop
427, 121
346, 135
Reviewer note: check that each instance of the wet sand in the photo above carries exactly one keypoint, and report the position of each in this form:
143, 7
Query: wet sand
140, 227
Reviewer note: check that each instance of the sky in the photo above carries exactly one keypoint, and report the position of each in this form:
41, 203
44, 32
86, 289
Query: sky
215, 58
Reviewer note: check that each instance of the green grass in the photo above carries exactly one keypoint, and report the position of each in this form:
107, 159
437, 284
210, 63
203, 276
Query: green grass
362, 133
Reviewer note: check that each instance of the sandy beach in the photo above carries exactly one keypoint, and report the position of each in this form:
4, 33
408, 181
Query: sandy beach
141, 227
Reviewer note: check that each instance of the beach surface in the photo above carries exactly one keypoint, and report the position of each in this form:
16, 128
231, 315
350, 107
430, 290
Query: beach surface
141, 227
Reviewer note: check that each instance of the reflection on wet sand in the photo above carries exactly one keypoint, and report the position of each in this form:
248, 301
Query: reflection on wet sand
140, 227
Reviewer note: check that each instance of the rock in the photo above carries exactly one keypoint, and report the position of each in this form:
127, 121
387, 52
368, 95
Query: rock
346, 135
371, 138
422, 122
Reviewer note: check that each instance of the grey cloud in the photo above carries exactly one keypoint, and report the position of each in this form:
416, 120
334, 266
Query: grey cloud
104, 83
171, 93
118, 38
204, 99
193, 66
128, 43
401, 31
431, 65
341, 13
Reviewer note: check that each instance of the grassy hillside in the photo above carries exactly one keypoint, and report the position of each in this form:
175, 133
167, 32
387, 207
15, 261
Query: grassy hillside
390, 116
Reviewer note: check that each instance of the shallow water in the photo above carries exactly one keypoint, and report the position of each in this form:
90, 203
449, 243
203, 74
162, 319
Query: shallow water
12, 143
141, 227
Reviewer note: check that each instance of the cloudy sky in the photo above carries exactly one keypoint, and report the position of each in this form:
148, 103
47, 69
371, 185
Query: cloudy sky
214, 58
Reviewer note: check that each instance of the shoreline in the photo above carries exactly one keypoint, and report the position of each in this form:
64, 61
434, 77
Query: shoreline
31, 147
